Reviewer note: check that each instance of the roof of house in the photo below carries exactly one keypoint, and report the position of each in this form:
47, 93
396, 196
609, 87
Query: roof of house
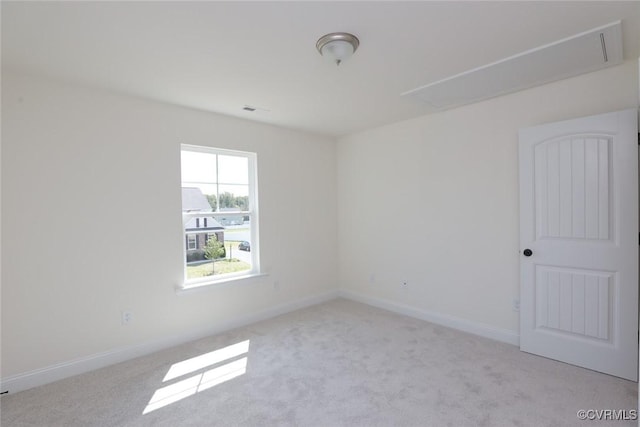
204, 223
194, 201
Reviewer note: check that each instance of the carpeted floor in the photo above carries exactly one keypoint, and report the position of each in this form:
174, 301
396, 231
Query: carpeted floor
335, 364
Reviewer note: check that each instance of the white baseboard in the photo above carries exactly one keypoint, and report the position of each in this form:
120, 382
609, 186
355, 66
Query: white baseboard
465, 325
52, 373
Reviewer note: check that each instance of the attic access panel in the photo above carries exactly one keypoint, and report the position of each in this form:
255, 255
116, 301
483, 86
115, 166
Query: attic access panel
582, 53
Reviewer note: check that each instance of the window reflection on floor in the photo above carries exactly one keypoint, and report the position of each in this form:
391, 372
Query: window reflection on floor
229, 366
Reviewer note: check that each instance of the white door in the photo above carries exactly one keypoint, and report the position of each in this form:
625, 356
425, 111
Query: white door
579, 242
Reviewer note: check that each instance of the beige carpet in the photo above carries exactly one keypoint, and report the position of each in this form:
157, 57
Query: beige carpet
334, 364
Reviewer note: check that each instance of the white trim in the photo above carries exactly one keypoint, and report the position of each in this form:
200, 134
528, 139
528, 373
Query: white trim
196, 214
38, 377
223, 279
458, 323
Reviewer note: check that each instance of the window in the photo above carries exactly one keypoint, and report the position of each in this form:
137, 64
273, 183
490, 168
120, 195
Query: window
219, 213
191, 242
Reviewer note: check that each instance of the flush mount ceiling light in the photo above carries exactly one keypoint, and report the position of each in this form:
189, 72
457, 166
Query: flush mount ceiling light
337, 46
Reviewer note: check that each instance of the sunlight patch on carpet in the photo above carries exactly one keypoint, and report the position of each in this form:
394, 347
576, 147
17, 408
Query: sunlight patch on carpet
205, 360
204, 380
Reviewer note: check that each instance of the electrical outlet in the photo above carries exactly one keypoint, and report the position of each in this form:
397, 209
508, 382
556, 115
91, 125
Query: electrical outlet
127, 317
515, 305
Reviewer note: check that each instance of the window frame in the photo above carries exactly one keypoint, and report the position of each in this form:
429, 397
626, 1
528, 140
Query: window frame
189, 240
251, 212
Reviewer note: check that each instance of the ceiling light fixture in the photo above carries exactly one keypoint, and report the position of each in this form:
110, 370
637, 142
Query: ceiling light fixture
337, 46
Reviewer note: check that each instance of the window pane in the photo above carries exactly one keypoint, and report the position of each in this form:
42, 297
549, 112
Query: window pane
210, 193
233, 170
194, 198
198, 167
223, 252
191, 242
234, 197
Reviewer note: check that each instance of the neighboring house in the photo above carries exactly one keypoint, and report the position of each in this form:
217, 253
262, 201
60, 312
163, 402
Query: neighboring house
194, 201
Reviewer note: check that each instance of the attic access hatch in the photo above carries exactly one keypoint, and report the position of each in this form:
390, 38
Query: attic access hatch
585, 52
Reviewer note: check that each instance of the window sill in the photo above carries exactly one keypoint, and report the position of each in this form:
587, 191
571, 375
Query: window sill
210, 284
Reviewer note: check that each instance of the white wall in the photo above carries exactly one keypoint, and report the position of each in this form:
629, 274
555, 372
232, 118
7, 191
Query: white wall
91, 214
434, 200
91, 221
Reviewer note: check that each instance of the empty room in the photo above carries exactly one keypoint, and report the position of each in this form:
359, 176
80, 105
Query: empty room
315, 213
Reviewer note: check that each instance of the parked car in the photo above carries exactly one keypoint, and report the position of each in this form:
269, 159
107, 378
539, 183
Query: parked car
245, 246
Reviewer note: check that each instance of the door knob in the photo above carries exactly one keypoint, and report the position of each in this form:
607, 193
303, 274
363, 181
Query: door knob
527, 252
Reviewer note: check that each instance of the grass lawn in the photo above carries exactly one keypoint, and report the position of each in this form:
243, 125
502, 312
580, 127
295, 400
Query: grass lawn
221, 267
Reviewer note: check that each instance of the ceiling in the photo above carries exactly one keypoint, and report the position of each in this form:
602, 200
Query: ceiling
221, 56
